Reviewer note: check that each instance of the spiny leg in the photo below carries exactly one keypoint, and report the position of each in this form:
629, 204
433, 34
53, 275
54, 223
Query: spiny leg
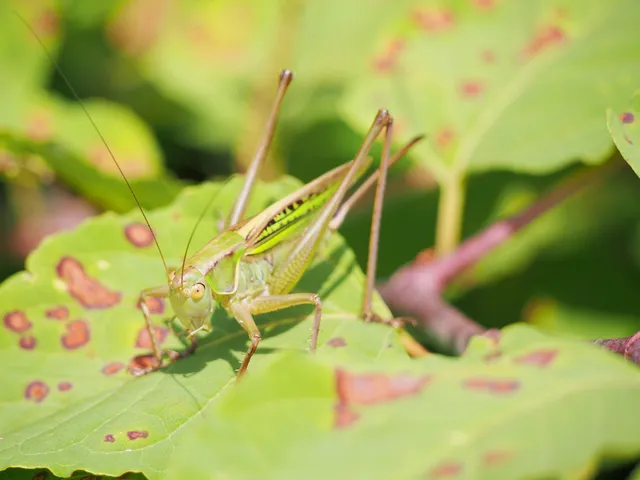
380, 176
240, 205
156, 292
376, 217
243, 313
348, 204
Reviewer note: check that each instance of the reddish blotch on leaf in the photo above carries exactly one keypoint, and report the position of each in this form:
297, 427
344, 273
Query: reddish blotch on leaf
77, 335
84, 289
540, 358
432, 19
27, 343
337, 342
17, 321
57, 313
112, 368
154, 305
545, 38
136, 434
65, 386
36, 391
496, 457
138, 234
109, 438
144, 340
499, 386
627, 117
356, 389
445, 470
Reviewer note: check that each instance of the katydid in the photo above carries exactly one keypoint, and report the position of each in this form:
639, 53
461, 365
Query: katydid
252, 266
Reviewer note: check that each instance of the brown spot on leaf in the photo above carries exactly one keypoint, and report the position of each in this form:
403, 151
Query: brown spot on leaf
471, 88
109, 438
545, 38
17, 321
40, 126
444, 137
388, 59
484, 5
540, 358
40, 475
76, 336
345, 417
367, 389
57, 313
141, 363
47, 23
496, 457
445, 470
86, 290
154, 305
36, 391
432, 19
144, 341
138, 235
493, 356
627, 117
337, 342
27, 343
488, 56
112, 368
499, 386
136, 434
65, 386
628, 140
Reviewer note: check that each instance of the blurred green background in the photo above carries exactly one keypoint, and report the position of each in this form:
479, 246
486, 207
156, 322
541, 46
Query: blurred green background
512, 97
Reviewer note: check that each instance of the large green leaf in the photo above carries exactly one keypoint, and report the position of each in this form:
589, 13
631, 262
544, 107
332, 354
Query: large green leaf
531, 406
515, 85
95, 182
220, 59
71, 326
23, 66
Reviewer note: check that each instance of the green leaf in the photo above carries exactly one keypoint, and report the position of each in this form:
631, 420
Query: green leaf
220, 59
71, 327
582, 323
531, 407
514, 85
24, 71
623, 126
62, 135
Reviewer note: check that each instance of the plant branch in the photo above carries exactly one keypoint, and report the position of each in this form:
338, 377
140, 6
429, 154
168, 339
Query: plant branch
450, 213
417, 289
628, 347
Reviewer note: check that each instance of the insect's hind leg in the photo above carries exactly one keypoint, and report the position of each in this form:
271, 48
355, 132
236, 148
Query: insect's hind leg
381, 176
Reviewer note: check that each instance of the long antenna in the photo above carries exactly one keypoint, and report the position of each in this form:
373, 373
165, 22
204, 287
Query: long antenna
195, 226
84, 108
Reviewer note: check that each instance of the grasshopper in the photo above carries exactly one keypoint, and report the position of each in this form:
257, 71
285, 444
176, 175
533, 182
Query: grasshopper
253, 265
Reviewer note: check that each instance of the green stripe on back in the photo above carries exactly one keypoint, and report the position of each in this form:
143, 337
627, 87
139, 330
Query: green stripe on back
290, 219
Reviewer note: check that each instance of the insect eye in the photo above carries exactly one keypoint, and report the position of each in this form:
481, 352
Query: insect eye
197, 292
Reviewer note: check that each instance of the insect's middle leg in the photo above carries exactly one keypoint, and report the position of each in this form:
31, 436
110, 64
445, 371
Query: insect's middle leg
243, 313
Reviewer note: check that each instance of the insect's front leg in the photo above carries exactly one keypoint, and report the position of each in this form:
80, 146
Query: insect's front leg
148, 293
243, 313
